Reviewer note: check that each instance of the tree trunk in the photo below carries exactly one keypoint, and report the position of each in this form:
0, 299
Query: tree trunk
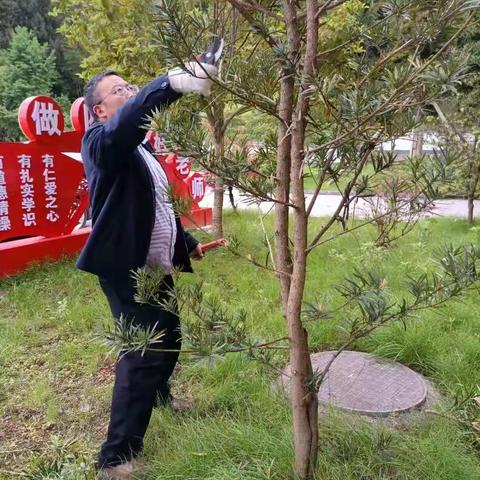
417, 144
304, 394
231, 197
417, 140
290, 156
472, 188
304, 399
217, 213
216, 120
282, 189
471, 205
284, 144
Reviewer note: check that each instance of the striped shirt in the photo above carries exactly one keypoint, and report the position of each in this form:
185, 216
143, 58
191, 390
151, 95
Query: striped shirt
164, 233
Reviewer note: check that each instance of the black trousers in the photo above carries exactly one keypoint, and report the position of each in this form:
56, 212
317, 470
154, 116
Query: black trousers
140, 381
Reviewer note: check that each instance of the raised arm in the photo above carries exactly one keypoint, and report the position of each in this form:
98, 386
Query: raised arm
108, 143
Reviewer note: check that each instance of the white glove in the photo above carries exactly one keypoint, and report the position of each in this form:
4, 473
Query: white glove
195, 82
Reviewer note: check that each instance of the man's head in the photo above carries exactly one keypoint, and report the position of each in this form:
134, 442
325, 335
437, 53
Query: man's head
105, 93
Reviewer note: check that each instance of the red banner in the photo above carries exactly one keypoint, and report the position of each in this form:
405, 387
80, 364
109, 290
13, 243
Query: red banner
38, 187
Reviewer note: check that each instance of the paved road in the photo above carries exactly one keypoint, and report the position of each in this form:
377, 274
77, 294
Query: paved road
327, 203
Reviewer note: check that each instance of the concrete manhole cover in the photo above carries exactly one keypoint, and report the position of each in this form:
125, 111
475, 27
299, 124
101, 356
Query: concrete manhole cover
362, 383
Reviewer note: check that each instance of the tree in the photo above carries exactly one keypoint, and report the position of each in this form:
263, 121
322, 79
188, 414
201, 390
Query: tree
349, 76
338, 77
457, 121
111, 34
26, 68
34, 15
460, 139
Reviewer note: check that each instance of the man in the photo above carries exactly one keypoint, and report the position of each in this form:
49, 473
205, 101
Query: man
134, 225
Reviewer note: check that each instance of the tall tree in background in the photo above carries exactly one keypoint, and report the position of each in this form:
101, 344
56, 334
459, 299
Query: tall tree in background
460, 139
34, 14
458, 121
112, 34
27, 68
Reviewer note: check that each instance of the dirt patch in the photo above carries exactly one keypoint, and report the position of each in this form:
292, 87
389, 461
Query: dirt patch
76, 421
23, 432
105, 374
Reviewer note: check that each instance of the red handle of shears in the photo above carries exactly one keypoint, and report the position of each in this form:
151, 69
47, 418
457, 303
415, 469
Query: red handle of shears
214, 244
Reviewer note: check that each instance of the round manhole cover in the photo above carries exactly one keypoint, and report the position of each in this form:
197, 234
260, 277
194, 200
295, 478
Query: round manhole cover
366, 384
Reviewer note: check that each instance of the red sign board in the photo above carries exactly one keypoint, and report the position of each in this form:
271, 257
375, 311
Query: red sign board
183, 166
38, 187
156, 141
197, 185
41, 118
80, 116
43, 191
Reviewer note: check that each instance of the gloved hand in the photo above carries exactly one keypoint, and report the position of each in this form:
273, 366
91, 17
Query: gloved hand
195, 82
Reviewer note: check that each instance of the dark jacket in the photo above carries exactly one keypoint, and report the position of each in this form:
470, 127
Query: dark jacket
121, 190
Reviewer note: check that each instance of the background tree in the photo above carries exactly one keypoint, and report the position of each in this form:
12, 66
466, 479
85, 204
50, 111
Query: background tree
34, 14
27, 68
111, 34
459, 138
456, 120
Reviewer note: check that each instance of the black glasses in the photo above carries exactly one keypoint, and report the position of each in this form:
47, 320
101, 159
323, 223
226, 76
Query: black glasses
121, 91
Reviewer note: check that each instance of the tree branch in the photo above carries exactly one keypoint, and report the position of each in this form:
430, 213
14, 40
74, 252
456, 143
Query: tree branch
346, 196
245, 8
232, 115
336, 142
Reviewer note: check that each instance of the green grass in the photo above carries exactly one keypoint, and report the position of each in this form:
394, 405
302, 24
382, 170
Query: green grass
55, 378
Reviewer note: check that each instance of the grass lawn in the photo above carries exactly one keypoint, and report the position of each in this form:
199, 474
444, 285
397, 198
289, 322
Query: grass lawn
56, 377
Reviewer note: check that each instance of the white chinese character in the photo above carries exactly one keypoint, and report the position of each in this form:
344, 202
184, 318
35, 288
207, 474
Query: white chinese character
198, 187
29, 219
49, 175
27, 190
28, 203
3, 208
46, 118
25, 176
5, 224
50, 188
1, 162
3, 192
183, 165
51, 202
52, 216
47, 160
2, 178
25, 161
